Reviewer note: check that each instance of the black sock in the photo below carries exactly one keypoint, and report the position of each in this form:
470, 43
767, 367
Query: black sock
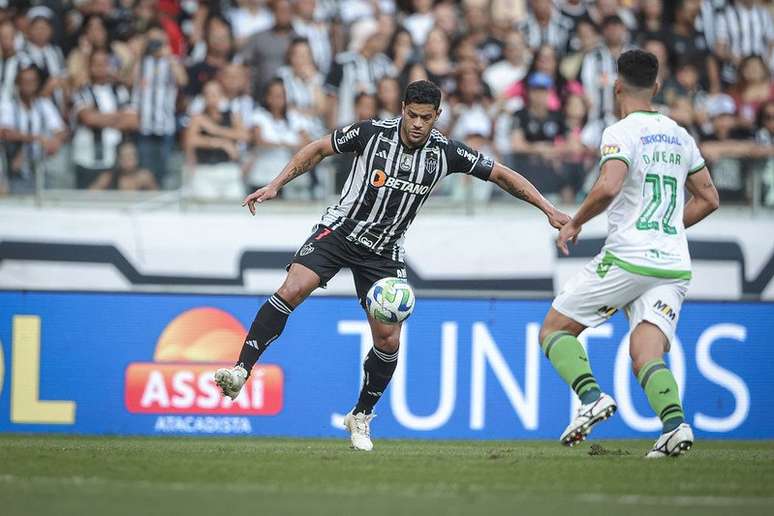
267, 326
378, 367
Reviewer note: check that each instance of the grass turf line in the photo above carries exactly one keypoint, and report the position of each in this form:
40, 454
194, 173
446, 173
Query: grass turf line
65, 475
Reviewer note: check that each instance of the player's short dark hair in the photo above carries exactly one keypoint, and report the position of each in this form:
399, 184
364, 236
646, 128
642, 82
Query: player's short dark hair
638, 68
422, 92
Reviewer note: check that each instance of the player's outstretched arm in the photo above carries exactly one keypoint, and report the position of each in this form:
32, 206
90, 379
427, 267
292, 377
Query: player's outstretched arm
519, 187
303, 161
704, 198
609, 183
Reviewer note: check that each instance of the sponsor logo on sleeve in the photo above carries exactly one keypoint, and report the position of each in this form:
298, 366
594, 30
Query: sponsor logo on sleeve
470, 156
348, 135
608, 150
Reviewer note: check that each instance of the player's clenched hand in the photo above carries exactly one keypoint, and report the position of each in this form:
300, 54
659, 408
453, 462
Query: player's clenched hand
558, 218
266, 193
568, 233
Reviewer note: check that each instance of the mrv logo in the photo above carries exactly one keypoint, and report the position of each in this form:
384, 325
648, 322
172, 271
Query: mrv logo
466, 154
380, 179
348, 135
474, 370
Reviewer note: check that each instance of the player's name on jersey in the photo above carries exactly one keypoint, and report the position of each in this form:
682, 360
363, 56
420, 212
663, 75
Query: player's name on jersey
668, 158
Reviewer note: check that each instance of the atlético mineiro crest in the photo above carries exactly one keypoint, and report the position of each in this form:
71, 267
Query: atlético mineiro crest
405, 162
431, 164
306, 249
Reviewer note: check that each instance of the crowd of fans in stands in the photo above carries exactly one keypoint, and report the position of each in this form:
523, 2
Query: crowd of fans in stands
99, 94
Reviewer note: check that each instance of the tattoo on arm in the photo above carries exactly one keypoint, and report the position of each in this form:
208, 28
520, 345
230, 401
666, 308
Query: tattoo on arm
514, 190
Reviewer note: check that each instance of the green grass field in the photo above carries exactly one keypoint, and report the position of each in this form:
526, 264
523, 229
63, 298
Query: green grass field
47, 475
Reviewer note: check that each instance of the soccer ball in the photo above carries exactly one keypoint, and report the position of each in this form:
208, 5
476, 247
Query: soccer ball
390, 300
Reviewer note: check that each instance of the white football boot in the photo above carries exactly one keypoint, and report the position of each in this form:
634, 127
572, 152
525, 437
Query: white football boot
672, 444
231, 380
588, 415
360, 430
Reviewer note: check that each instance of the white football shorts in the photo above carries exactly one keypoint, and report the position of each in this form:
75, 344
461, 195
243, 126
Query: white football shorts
593, 295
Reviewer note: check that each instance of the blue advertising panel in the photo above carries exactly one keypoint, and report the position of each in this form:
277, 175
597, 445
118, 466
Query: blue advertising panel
98, 363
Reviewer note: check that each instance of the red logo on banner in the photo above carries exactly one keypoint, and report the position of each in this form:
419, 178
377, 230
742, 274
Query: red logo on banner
180, 379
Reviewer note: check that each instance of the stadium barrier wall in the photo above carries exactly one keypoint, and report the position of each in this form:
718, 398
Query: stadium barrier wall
132, 363
505, 254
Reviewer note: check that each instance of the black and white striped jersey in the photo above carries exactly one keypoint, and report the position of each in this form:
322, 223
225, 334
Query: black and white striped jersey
154, 95
389, 182
748, 30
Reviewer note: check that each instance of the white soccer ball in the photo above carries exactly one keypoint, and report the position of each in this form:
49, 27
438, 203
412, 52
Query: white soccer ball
390, 300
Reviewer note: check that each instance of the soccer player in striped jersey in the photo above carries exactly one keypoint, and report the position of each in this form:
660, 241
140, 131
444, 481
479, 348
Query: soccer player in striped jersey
398, 163
644, 268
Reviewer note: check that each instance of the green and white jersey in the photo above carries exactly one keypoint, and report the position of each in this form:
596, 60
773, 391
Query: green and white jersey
645, 220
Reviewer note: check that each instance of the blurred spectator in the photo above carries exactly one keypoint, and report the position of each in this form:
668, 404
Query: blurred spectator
126, 175
219, 49
726, 146
546, 25
708, 19
366, 107
535, 129
212, 149
447, 18
94, 36
251, 17
744, 29
684, 83
304, 85
40, 50
602, 9
388, 97
659, 49
469, 107
315, 31
687, 43
278, 133
357, 71
157, 79
478, 23
752, 90
352, 11
102, 110
587, 40
765, 139
401, 49
265, 51
440, 69
573, 152
599, 71
30, 130
651, 22
545, 63
681, 111
511, 69
575, 11
420, 21
9, 58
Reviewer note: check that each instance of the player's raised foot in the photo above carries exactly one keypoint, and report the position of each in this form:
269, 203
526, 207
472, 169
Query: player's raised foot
673, 443
588, 415
231, 380
359, 426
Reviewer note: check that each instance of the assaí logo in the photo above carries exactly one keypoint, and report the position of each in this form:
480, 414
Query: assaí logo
180, 378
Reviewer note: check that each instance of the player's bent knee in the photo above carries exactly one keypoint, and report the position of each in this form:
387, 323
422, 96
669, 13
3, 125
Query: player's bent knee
556, 321
387, 343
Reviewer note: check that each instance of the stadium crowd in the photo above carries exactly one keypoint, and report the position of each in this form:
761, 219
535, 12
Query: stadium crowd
215, 95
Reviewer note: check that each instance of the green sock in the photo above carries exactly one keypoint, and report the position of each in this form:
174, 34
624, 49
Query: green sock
661, 389
569, 359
